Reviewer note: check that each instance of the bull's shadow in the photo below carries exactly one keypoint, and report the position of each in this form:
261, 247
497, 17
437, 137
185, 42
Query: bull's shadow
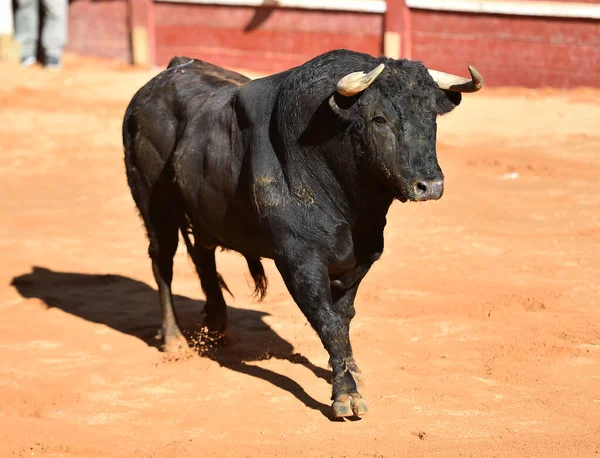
131, 306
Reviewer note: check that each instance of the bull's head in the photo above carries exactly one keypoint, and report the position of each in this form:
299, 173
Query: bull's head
395, 121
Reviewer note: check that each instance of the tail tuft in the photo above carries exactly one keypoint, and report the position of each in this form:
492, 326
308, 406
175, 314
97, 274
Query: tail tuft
258, 275
254, 264
223, 285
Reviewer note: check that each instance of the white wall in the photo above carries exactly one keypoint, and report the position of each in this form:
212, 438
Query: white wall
6, 17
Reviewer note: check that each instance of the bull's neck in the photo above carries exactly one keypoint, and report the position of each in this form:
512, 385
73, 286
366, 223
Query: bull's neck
335, 178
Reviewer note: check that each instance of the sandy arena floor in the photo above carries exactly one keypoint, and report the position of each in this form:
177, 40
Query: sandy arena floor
478, 331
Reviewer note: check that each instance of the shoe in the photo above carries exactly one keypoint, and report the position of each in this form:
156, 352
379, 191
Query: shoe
53, 63
28, 61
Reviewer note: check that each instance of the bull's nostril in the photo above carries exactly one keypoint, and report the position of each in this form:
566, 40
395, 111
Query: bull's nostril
420, 188
427, 189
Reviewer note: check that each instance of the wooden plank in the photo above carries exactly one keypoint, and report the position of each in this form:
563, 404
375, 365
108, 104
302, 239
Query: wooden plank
362, 6
524, 29
397, 30
516, 8
99, 28
265, 40
266, 18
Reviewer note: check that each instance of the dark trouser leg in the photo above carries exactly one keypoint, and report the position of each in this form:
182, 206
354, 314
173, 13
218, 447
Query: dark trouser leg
26, 26
54, 34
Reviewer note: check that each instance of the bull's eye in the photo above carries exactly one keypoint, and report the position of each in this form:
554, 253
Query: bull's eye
379, 120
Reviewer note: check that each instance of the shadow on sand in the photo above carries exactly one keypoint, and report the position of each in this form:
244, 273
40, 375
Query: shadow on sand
131, 307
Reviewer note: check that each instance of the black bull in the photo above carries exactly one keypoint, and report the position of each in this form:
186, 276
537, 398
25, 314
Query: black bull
287, 168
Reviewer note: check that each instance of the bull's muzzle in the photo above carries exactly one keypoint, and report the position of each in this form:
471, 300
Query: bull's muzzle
428, 190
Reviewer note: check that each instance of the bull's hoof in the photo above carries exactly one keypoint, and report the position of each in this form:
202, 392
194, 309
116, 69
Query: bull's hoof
215, 320
217, 325
175, 343
349, 405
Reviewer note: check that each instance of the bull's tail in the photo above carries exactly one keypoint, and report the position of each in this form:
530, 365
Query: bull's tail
259, 277
254, 265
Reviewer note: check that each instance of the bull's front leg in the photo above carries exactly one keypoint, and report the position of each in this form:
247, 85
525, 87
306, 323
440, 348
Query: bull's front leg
308, 281
343, 291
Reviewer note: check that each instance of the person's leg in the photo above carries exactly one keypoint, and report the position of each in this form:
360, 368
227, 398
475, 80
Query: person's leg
26, 29
54, 34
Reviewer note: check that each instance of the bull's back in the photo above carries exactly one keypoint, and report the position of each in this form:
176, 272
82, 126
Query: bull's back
211, 73
184, 118
159, 110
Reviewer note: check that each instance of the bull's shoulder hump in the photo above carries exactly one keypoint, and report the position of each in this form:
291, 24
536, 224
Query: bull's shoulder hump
257, 97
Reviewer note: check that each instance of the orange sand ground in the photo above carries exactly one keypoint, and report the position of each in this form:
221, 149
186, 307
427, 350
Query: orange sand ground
478, 331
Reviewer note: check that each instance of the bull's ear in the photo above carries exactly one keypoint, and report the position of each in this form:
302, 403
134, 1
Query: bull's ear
446, 101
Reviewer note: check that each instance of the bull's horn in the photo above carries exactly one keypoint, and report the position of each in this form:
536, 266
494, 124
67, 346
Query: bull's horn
356, 82
455, 83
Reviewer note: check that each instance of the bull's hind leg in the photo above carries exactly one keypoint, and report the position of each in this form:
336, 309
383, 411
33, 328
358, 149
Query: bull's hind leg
163, 233
215, 309
161, 215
